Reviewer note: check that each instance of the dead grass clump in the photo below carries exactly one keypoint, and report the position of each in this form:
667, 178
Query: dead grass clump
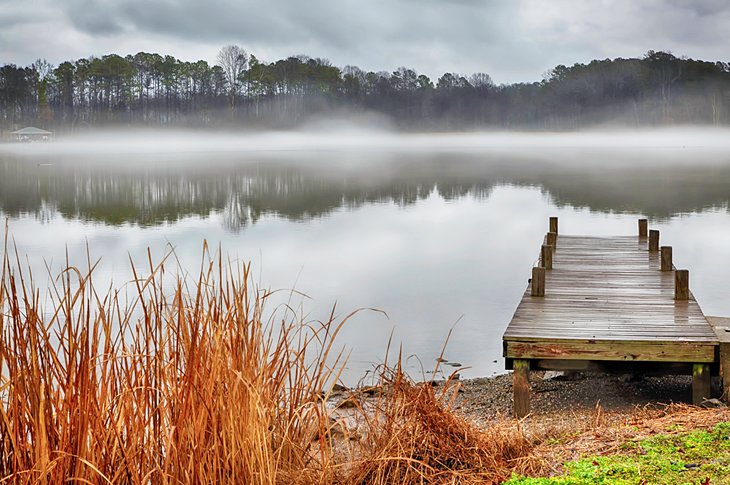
188, 383
413, 436
193, 380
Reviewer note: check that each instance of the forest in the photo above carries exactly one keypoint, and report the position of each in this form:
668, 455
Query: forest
151, 90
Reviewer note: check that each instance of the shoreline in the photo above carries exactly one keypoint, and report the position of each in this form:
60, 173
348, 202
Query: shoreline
485, 400
556, 398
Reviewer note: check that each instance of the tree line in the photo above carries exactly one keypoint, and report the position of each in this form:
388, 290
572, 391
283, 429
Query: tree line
241, 90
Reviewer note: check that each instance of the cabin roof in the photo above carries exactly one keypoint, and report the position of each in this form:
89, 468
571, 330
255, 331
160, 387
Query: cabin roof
31, 130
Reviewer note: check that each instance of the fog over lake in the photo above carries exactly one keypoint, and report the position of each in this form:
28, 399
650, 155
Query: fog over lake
439, 231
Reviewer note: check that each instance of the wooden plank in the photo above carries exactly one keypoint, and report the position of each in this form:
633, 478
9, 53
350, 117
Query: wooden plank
695, 352
612, 332
644, 368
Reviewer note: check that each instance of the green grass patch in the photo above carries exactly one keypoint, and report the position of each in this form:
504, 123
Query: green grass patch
697, 457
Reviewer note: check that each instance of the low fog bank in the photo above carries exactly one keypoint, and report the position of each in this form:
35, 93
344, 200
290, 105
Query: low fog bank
343, 136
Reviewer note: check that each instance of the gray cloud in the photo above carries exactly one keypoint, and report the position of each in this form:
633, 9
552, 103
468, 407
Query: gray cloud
510, 40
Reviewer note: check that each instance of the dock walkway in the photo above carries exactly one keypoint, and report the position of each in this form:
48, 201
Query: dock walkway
612, 304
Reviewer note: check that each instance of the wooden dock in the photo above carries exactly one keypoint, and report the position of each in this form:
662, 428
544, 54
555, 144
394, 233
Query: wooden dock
613, 304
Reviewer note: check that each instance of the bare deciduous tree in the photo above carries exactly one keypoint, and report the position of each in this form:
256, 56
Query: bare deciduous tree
233, 59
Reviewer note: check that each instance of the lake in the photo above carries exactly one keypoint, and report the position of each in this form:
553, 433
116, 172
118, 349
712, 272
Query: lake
439, 237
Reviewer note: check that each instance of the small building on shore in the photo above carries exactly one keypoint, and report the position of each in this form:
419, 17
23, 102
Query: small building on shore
32, 134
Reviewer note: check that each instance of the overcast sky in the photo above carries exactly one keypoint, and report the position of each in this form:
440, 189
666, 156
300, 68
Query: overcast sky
511, 40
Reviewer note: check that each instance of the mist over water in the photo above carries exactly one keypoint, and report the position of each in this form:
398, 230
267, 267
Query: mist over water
347, 136
433, 229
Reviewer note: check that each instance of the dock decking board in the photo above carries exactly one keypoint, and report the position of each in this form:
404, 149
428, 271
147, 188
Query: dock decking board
606, 299
596, 291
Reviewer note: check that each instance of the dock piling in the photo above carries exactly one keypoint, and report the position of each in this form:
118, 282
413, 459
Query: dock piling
653, 240
701, 383
554, 225
643, 228
552, 239
521, 387
538, 281
666, 258
546, 256
681, 284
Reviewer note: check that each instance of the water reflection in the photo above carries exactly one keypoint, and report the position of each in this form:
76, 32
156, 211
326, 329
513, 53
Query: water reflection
430, 239
153, 190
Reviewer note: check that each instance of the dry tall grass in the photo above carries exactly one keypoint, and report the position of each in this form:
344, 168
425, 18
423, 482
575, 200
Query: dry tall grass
198, 383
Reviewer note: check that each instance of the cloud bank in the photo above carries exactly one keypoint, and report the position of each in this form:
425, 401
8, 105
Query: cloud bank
512, 41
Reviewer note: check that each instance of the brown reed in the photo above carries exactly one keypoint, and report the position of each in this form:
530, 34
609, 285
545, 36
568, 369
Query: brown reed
195, 381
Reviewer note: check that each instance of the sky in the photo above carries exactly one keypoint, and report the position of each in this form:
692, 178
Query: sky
511, 40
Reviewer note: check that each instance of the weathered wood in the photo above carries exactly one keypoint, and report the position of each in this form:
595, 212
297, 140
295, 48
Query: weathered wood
592, 296
587, 349
554, 225
725, 370
653, 240
606, 366
608, 306
521, 388
667, 258
551, 239
701, 383
721, 326
643, 228
546, 256
538, 281
681, 284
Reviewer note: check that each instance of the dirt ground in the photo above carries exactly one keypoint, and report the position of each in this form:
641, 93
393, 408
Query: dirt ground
572, 399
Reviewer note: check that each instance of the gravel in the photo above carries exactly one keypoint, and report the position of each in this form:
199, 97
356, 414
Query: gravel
567, 397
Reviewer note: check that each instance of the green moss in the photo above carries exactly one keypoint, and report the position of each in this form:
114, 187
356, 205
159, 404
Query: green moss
686, 458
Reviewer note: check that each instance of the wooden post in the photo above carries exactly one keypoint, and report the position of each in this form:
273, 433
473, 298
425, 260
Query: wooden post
681, 284
538, 281
667, 258
725, 369
546, 256
721, 326
653, 240
701, 381
554, 225
552, 239
643, 227
521, 387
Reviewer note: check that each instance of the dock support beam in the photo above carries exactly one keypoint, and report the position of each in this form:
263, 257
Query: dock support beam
643, 228
701, 381
521, 387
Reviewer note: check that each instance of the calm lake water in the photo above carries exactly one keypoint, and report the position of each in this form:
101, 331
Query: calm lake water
437, 239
